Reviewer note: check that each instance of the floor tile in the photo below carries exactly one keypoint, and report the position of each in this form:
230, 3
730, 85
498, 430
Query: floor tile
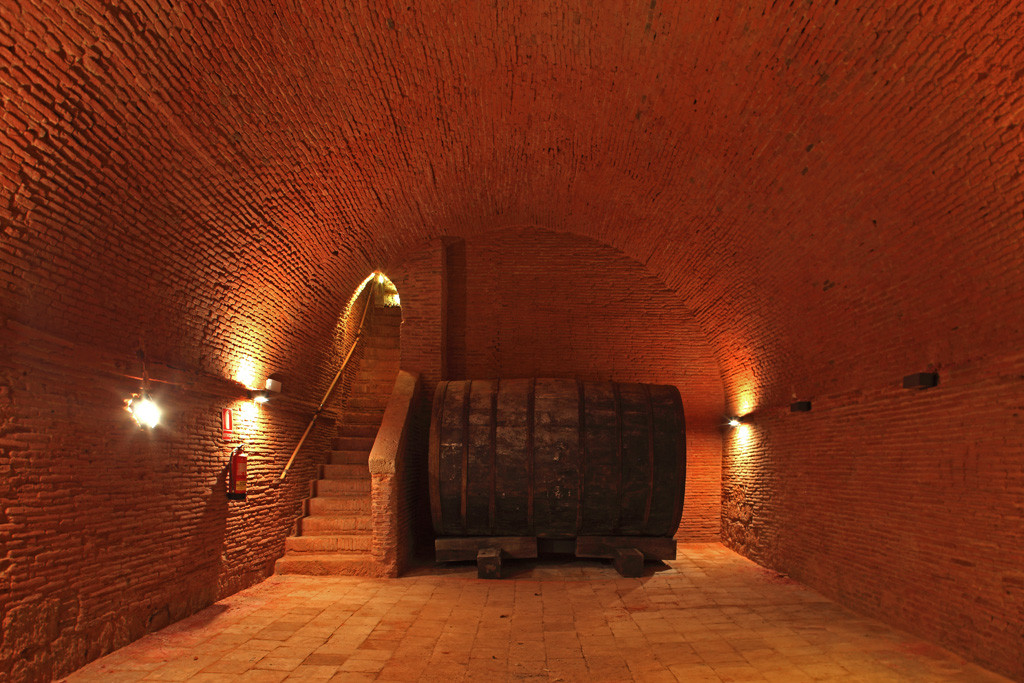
711, 615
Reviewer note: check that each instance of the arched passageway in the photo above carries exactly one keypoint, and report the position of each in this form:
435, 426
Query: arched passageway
335, 533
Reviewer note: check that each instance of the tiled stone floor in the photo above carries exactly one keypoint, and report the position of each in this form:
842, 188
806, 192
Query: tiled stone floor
712, 615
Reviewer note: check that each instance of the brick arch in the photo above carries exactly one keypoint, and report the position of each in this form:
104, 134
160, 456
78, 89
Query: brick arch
525, 301
832, 190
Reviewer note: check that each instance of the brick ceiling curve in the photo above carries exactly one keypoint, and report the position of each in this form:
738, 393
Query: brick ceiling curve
799, 173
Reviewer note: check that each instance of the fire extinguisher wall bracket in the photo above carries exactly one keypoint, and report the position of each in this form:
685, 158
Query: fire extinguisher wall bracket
237, 474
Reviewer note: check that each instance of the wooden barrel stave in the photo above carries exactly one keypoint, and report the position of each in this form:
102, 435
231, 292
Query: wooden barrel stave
635, 463
556, 459
602, 476
480, 486
513, 476
450, 461
669, 480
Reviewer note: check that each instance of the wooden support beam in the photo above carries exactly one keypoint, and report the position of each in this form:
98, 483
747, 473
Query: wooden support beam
653, 548
460, 549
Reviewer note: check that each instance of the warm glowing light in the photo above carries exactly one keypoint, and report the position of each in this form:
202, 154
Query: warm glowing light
260, 397
745, 402
246, 372
145, 411
744, 434
744, 394
362, 285
388, 291
250, 413
734, 422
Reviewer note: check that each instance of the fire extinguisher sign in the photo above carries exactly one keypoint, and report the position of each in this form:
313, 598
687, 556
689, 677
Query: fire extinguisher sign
227, 424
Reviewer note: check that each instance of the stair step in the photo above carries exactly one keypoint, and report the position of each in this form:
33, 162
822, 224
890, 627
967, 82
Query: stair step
358, 542
383, 376
362, 417
385, 329
386, 363
327, 564
338, 505
388, 314
366, 403
380, 332
345, 482
373, 370
353, 443
374, 352
341, 488
334, 524
378, 370
355, 471
349, 458
380, 341
373, 387
358, 430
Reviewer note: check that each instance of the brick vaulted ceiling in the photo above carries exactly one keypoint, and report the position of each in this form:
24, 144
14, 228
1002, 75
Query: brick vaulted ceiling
826, 185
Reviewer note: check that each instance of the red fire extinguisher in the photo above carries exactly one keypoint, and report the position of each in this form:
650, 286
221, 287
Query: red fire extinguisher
237, 474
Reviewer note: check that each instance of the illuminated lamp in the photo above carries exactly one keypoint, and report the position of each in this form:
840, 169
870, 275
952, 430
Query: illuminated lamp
143, 409
271, 387
735, 422
141, 405
259, 395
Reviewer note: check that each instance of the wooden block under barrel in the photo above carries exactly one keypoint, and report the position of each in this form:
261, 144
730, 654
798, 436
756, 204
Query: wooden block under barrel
488, 563
652, 548
629, 562
458, 549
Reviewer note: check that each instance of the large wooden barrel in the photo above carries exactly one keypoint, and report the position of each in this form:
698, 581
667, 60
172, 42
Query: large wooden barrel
556, 458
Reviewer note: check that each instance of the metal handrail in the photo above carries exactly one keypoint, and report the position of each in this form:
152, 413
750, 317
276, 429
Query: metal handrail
330, 389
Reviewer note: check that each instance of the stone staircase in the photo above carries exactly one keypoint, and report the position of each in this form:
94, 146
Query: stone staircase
335, 536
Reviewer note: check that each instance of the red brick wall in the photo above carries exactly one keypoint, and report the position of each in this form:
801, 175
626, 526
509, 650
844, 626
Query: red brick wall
111, 532
903, 504
420, 276
108, 532
832, 190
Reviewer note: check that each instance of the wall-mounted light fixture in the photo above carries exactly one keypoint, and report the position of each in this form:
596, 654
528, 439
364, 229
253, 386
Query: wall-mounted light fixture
144, 409
271, 387
734, 422
141, 405
800, 407
921, 380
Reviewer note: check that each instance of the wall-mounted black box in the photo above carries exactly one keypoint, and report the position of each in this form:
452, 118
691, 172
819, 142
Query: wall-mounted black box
921, 380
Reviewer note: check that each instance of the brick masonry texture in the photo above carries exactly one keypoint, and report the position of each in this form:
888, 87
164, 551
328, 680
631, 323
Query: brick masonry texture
831, 192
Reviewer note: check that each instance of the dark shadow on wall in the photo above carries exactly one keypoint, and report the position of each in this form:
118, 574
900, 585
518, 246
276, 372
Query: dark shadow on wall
456, 314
